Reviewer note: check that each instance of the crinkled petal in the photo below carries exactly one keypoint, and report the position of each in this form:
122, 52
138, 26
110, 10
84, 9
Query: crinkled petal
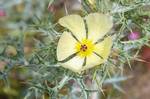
66, 46
98, 25
74, 64
75, 24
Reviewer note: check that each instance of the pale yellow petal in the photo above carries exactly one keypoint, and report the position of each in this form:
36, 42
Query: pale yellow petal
103, 48
74, 64
92, 61
98, 25
92, 2
66, 46
75, 24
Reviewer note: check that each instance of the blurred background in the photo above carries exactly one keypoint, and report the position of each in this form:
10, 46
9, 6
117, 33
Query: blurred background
25, 24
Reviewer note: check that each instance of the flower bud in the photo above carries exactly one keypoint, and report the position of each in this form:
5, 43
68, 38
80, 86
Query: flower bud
11, 51
2, 13
134, 35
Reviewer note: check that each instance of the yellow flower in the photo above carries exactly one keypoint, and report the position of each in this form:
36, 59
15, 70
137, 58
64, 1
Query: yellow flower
85, 43
92, 2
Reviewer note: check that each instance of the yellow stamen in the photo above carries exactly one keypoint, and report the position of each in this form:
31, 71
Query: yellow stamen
85, 48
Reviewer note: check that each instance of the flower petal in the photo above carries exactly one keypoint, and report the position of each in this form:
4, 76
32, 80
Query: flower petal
66, 46
75, 24
92, 61
98, 25
101, 54
103, 48
75, 64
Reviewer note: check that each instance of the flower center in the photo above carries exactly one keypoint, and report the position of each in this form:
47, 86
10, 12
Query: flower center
85, 48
